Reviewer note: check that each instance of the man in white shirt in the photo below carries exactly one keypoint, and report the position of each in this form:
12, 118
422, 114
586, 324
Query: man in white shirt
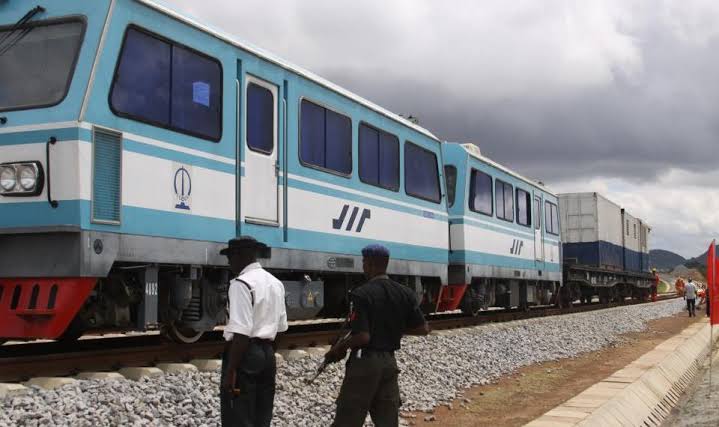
257, 315
690, 294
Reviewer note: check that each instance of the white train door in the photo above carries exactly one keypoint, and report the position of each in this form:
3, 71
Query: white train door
538, 240
260, 191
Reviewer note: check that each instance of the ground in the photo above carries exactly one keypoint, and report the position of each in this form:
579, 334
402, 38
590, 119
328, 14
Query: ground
700, 404
519, 398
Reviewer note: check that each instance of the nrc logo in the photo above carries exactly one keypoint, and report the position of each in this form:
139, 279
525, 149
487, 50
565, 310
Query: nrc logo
337, 223
517, 245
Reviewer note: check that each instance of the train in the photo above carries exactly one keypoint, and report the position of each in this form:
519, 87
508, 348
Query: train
135, 141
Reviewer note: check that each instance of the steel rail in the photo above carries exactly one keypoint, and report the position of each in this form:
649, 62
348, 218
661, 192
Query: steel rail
21, 362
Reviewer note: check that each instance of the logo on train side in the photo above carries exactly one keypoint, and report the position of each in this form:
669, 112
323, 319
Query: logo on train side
183, 186
517, 246
338, 222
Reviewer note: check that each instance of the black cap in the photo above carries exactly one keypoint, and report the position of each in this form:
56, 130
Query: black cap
243, 242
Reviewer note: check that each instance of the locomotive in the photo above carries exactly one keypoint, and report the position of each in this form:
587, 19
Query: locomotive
135, 141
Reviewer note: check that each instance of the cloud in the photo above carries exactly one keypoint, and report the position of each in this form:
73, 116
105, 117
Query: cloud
682, 212
560, 90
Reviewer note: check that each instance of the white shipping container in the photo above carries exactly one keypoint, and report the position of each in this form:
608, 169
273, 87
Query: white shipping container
590, 217
632, 232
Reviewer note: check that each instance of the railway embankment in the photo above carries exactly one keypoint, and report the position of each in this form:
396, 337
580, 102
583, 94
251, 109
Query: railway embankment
436, 370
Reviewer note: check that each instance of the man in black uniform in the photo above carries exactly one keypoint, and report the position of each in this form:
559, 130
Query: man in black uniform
381, 312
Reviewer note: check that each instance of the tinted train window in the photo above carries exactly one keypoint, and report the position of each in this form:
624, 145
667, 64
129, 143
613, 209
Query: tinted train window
524, 208
167, 85
504, 198
325, 139
37, 61
378, 158
421, 176
551, 218
260, 119
450, 178
480, 192
537, 213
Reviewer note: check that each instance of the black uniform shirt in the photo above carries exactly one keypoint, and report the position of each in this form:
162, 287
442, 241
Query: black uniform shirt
385, 309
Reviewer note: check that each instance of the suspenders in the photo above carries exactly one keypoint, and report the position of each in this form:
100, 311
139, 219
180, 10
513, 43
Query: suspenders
249, 288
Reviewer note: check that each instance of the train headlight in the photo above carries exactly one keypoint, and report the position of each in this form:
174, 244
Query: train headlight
8, 178
27, 176
21, 179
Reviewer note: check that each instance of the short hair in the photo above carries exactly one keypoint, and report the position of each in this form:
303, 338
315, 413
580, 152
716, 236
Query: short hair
375, 250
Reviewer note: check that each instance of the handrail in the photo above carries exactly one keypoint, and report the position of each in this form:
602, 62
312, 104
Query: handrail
51, 141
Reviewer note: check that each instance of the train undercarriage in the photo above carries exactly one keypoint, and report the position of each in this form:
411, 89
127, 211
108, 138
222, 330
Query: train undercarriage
583, 283
483, 293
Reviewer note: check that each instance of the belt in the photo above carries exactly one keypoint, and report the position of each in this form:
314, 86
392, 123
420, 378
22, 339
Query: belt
364, 353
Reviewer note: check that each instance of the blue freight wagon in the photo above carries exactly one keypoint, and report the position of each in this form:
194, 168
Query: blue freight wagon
605, 249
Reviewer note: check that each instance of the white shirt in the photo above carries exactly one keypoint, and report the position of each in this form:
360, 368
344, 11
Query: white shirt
267, 316
690, 291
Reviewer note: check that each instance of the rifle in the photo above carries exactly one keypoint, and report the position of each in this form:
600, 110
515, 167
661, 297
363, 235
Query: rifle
321, 368
341, 337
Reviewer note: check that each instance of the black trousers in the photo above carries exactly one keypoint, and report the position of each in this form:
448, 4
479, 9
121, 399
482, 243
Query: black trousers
256, 381
370, 385
691, 307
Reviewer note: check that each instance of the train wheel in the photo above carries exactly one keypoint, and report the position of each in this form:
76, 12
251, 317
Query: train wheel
181, 334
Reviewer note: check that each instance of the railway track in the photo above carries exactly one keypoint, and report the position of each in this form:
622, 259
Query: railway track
21, 362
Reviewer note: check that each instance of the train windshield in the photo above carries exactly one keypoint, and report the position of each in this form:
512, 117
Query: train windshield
37, 62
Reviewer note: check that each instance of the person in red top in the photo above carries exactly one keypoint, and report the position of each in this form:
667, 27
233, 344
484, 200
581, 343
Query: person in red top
655, 285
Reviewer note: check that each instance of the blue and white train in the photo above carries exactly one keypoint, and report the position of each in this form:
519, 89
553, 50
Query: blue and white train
134, 142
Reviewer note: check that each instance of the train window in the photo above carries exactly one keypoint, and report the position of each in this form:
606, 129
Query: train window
504, 200
421, 176
635, 230
524, 208
551, 218
196, 93
627, 227
260, 119
450, 178
480, 192
37, 62
167, 85
378, 158
537, 213
325, 139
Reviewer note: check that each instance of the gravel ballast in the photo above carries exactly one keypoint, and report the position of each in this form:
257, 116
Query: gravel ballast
435, 370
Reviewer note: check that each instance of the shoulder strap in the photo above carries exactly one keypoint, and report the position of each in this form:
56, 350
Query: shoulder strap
249, 288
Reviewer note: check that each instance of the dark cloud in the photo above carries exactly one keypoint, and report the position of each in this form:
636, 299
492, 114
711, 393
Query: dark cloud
564, 92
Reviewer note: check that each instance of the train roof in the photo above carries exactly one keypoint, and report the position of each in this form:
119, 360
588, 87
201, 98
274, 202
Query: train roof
473, 151
285, 64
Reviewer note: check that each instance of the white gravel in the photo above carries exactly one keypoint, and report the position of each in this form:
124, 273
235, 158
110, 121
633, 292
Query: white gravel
435, 369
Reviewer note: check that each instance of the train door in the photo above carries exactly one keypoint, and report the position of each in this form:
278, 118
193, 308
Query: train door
538, 240
260, 189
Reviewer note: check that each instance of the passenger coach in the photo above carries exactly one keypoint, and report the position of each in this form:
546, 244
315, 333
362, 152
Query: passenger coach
504, 234
134, 142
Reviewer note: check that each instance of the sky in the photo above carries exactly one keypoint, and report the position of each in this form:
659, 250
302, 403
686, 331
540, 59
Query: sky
614, 96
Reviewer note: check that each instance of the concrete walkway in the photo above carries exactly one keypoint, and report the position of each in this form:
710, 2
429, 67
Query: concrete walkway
700, 405
645, 391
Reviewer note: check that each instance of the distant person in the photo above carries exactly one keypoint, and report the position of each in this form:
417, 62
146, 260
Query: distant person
707, 297
690, 295
257, 315
382, 311
655, 284
679, 286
